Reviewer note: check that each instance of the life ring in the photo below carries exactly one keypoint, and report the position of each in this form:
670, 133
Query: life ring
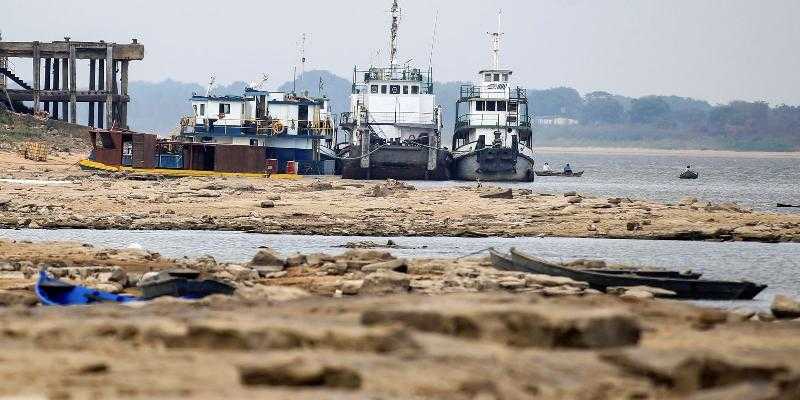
277, 127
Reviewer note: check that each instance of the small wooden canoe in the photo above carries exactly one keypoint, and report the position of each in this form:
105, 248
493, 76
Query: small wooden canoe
782, 205
689, 175
695, 289
55, 292
561, 174
504, 262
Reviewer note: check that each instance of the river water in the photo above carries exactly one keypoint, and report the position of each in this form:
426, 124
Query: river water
774, 264
757, 180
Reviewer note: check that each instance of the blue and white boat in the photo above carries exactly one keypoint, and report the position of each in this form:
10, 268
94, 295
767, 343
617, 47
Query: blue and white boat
293, 127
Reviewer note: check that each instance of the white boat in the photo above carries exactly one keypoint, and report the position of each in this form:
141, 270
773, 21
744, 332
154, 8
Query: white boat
293, 127
394, 123
493, 139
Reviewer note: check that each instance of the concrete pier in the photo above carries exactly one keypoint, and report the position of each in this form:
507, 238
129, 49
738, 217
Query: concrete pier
109, 66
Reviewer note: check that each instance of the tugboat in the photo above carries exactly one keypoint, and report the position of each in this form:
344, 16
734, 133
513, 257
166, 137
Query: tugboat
493, 139
394, 123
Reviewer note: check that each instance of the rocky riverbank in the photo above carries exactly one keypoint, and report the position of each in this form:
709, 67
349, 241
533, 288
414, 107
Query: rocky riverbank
364, 324
333, 206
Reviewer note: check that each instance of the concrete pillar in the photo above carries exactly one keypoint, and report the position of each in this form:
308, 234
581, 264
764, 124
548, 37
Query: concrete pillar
55, 86
48, 70
123, 85
109, 86
37, 70
101, 84
73, 104
64, 88
92, 87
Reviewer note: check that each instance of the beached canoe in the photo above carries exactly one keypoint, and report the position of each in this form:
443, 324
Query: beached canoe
782, 205
183, 284
55, 292
504, 262
695, 289
561, 174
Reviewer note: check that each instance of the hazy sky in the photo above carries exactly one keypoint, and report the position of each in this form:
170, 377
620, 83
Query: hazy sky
718, 50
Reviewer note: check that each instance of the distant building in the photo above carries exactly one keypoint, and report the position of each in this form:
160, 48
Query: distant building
555, 120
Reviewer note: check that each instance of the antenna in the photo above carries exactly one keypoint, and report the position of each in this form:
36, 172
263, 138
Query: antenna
305, 37
496, 42
210, 85
396, 14
434, 37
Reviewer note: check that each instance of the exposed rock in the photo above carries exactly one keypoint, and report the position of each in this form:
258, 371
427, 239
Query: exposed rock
687, 201
295, 260
267, 204
351, 288
17, 298
574, 199
784, 307
570, 194
298, 371
398, 265
268, 257
241, 273
505, 194
521, 326
385, 282
656, 292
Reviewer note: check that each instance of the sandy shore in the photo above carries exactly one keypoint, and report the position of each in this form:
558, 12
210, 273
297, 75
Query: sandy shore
332, 206
401, 329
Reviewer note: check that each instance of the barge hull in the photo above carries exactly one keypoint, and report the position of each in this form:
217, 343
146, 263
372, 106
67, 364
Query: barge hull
516, 168
397, 162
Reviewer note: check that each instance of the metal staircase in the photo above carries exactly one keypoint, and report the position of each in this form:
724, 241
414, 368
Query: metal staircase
10, 74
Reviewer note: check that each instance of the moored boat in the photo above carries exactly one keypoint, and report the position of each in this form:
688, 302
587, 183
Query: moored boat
557, 173
505, 262
696, 289
493, 138
394, 124
689, 174
55, 292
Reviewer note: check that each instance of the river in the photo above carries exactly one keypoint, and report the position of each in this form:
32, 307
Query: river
774, 264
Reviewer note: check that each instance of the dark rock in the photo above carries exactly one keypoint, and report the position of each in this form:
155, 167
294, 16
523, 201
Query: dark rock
268, 257
506, 194
299, 372
399, 265
267, 204
784, 307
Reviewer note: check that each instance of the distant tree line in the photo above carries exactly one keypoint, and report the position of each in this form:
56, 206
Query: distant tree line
737, 119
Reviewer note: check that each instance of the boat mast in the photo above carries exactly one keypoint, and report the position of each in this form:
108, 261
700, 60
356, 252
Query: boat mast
396, 14
496, 42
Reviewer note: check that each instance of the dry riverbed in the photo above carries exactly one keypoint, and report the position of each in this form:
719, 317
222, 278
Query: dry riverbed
365, 325
333, 206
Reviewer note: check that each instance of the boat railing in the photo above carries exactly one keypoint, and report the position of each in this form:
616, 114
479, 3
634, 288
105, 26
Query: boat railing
493, 120
395, 73
473, 91
388, 118
275, 126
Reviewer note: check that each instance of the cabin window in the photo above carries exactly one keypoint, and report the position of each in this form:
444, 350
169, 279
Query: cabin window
501, 106
415, 89
487, 77
405, 89
505, 77
195, 110
374, 89
207, 139
202, 110
480, 105
253, 142
395, 89
383, 89
497, 77
224, 108
512, 106
491, 106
